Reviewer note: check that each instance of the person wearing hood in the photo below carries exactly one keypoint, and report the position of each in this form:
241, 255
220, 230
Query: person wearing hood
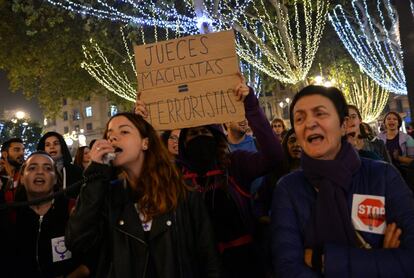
54, 144
224, 179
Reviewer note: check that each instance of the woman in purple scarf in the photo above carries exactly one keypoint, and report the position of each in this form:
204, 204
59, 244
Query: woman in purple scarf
341, 215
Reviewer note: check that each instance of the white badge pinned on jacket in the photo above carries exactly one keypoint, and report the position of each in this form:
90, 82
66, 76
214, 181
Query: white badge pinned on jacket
368, 213
59, 250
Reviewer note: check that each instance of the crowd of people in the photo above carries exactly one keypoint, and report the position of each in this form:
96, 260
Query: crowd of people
327, 197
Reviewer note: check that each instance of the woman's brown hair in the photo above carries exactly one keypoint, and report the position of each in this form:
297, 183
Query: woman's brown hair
79, 156
160, 185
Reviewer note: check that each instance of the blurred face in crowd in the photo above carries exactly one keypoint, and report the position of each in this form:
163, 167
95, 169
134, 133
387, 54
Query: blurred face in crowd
86, 157
353, 122
53, 147
15, 154
391, 122
127, 141
294, 148
39, 175
2, 163
239, 128
173, 141
367, 129
278, 127
317, 127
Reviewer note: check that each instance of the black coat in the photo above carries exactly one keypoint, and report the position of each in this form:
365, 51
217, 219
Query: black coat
32, 247
105, 222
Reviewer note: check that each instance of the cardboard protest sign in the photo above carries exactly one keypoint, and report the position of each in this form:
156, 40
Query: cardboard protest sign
190, 81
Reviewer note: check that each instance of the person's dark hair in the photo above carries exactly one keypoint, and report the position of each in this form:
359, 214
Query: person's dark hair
67, 157
160, 185
397, 115
6, 145
287, 158
79, 156
370, 135
351, 106
164, 137
91, 144
222, 154
332, 93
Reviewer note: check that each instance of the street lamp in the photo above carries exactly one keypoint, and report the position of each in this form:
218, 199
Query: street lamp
321, 81
20, 115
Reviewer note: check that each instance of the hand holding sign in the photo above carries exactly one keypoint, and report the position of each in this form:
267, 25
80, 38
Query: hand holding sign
392, 236
242, 90
140, 107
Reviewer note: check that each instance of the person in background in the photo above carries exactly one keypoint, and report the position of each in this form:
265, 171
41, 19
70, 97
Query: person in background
82, 157
40, 228
239, 140
410, 129
170, 140
147, 223
263, 198
54, 144
321, 225
368, 132
279, 128
366, 147
400, 145
12, 155
292, 152
12, 152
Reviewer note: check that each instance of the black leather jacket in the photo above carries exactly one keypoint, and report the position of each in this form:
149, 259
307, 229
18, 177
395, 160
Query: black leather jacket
106, 223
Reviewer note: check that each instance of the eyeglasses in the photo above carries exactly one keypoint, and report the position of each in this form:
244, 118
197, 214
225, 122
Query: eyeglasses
277, 125
173, 138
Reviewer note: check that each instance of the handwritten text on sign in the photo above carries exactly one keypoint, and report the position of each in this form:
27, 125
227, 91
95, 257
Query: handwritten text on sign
189, 81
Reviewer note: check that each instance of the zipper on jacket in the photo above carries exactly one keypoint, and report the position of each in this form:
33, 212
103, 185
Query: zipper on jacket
37, 243
143, 242
146, 265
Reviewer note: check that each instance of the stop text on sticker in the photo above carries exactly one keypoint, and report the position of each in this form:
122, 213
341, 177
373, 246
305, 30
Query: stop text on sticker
369, 213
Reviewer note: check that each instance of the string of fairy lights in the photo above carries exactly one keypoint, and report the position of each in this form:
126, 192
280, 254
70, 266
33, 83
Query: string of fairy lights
374, 46
142, 11
119, 82
98, 66
218, 13
281, 43
287, 38
368, 96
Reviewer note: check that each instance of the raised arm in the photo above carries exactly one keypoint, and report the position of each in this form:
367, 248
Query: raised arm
252, 165
84, 230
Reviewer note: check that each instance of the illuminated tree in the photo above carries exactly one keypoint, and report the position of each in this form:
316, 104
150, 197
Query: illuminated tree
285, 37
368, 96
372, 39
30, 132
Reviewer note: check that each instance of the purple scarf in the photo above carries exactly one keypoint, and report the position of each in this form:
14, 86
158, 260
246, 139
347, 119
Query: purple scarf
330, 220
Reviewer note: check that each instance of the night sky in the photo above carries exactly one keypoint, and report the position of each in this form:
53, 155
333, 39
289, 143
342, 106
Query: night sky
10, 101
